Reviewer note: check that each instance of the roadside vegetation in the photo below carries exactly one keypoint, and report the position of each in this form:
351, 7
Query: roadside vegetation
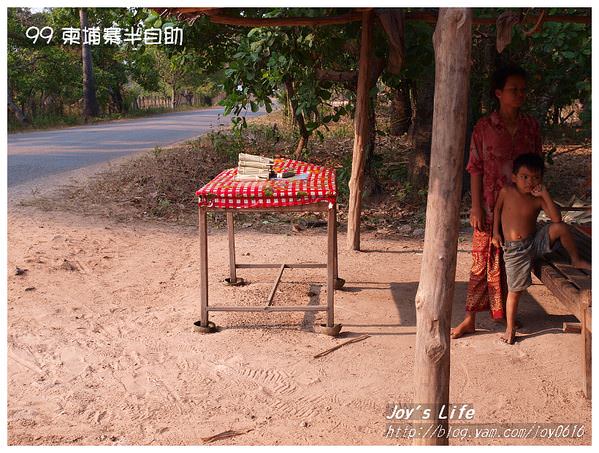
160, 185
311, 73
46, 83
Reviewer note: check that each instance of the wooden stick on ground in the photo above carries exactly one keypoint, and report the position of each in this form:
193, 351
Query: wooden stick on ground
275, 286
226, 435
334, 348
571, 327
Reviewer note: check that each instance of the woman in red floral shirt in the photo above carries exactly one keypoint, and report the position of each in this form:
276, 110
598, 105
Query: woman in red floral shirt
497, 140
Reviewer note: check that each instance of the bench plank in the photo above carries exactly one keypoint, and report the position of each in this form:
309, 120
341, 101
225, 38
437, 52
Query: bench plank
566, 292
577, 277
573, 289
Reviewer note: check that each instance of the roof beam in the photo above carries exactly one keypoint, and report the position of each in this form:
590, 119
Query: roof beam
432, 18
216, 16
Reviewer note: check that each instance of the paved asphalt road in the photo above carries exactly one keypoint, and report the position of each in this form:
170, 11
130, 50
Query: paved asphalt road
33, 155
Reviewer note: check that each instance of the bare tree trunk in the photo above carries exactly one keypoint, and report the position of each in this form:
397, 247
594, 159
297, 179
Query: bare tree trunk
117, 99
32, 104
301, 144
452, 43
421, 130
361, 134
90, 103
392, 20
401, 110
556, 116
491, 60
173, 84
14, 108
372, 185
289, 110
299, 118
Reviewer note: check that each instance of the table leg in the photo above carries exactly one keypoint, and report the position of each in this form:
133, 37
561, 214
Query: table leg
203, 267
336, 253
339, 282
231, 234
331, 264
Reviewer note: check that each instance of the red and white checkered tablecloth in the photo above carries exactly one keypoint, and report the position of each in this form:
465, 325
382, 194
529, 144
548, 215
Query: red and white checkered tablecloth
224, 192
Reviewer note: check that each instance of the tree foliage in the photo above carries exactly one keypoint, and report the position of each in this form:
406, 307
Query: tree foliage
46, 79
257, 65
269, 60
557, 58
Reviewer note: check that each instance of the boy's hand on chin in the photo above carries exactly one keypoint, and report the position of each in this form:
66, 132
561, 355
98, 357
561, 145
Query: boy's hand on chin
538, 191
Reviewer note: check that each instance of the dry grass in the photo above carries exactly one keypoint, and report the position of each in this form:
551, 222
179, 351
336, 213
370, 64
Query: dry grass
161, 184
570, 173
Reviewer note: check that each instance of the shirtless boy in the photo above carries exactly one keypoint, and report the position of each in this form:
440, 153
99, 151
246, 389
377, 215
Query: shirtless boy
517, 208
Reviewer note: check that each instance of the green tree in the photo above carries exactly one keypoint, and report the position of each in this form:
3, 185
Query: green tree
42, 77
182, 70
267, 60
557, 58
90, 103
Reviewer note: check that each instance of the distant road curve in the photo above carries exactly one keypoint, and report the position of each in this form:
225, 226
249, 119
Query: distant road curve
35, 155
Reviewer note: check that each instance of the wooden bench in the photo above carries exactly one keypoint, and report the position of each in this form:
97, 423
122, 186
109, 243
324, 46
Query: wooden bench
573, 289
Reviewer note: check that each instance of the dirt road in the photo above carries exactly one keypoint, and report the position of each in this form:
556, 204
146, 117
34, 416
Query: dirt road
101, 348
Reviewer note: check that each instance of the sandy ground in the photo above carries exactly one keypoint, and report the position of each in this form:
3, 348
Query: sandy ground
101, 348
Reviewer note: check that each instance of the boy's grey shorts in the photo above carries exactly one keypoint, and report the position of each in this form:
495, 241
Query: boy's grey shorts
519, 255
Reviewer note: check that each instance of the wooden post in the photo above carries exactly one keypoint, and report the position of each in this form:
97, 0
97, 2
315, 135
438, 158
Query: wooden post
587, 357
585, 333
331, 238
452, 43
361, 134
90, 101
203, 226
571, 327
231, 234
